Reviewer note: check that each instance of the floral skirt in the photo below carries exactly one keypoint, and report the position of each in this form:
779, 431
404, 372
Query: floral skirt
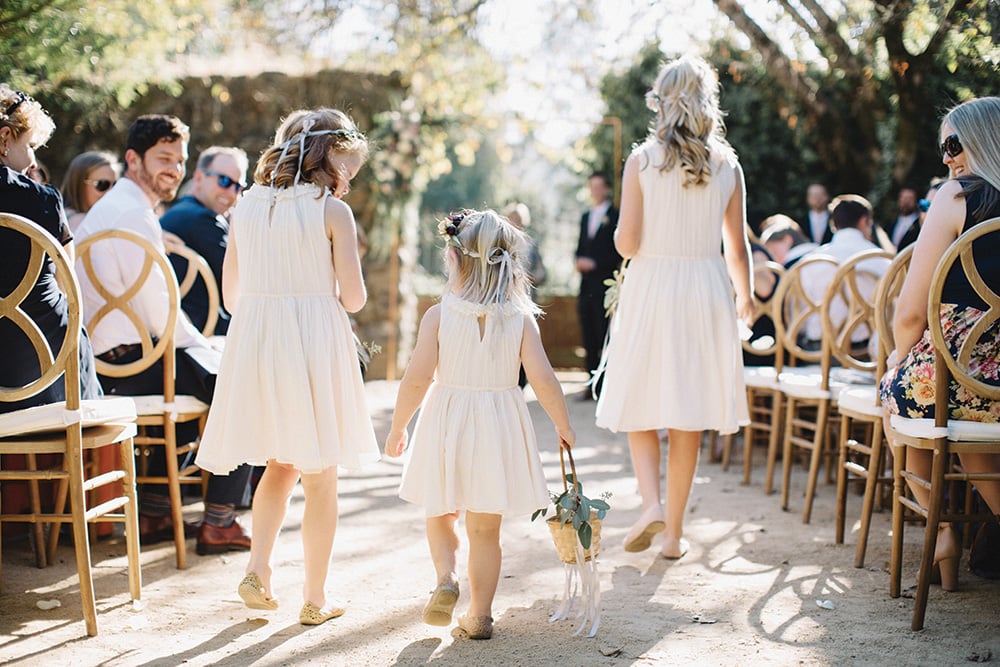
908, 389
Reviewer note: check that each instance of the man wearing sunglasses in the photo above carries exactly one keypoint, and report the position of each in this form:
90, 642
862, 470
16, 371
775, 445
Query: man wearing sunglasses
156, 151
199, 219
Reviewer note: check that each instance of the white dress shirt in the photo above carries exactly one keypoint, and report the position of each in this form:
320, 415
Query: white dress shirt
117, 263
903, 224
815, 279
819, 222
597, 214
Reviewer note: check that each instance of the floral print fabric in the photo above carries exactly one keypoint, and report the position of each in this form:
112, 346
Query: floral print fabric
908, 389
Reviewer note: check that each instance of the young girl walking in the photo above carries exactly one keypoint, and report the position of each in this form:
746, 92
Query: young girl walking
289, 393
474, 443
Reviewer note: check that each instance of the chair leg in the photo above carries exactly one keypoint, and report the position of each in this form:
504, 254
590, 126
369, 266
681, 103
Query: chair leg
896, 555
174, 488
819, 437
875, 463
938, 469
81, 543
772, 441
126, 448
62, 492
786, 452
727, 450
747, 453
838, 537
36, 508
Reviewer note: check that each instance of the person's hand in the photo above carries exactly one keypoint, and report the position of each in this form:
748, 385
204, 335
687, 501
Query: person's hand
585, 264
744, 309
893, 360
567, 437
395, 443
172, 242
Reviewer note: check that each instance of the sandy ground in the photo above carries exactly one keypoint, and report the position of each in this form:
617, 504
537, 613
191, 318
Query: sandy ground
745, 594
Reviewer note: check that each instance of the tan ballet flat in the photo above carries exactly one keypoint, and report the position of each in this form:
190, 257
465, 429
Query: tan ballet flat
640, 539
254, 594
441, 605
313, 615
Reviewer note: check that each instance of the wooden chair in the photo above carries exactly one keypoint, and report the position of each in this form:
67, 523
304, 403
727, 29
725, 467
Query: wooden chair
763, 396
67, 428
196, 267
943, 436
860, 404
164, 410
810, 392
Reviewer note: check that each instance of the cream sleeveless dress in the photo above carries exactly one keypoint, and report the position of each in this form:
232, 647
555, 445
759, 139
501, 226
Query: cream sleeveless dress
290, 386
473, 446
673, 359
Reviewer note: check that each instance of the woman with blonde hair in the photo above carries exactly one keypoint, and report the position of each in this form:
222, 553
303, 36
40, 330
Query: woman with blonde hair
674, 360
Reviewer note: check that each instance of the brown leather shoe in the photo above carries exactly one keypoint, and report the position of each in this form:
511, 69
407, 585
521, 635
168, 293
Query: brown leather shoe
215, 540
154, 529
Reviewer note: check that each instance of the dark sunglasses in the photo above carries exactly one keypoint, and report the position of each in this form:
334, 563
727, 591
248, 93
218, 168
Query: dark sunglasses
225, 181
952, 146
21, 99
103, 185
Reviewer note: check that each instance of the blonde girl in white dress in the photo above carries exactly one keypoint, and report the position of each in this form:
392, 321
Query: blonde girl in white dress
290, 394
473, 446
674, 360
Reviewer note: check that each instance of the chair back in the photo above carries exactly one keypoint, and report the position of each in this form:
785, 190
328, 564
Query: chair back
886, 293
52, 364
849, 309
197, 268
948, 365
794, 306
155, 266
765, 345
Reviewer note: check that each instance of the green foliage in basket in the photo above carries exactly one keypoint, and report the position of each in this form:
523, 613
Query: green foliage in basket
571, 506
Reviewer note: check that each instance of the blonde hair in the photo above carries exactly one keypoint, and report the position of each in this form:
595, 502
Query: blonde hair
688, 121
487, 254
977, 124
23, 114
303, 145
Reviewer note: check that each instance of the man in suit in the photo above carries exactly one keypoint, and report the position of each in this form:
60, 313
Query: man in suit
596, 261
907, 225
199, 219
816, 223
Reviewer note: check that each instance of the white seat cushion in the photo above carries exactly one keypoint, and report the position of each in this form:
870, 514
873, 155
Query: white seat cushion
760, 377
55, 416
957, 429
861, 399
806, 381
155, 405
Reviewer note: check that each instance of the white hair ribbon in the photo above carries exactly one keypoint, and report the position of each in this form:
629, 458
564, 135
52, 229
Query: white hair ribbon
498, 255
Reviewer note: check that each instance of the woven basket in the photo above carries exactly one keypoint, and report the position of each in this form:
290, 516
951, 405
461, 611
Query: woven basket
565, 538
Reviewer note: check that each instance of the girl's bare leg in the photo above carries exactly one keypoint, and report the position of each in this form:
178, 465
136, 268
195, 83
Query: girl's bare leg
484, 561
270, 503
682, 460
443, 543
319, 524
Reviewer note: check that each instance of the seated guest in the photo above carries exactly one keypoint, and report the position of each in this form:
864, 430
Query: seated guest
852, 222
970, 149
783, 239
88, 177
907, 224
24, 126
154, 166
199, 219
815, 223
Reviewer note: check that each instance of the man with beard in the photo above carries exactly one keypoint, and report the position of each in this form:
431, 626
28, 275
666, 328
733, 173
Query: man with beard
155, 154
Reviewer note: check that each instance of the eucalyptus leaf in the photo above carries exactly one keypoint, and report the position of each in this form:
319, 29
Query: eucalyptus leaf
585, 532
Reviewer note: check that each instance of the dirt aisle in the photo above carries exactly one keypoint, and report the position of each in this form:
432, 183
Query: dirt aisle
746, 593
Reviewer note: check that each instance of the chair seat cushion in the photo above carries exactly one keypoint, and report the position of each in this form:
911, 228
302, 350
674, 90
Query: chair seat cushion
958, 430
807, 381
155, 405
55, 416
861, 399
760, 377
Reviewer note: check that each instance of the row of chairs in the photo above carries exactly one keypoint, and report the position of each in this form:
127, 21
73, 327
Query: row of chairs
75, 429
825, 402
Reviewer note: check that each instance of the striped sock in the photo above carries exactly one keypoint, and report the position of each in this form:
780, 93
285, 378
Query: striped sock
220, 516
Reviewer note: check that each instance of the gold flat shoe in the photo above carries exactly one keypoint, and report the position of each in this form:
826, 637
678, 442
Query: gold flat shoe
313, 615
441, 605
254, 594
644, 538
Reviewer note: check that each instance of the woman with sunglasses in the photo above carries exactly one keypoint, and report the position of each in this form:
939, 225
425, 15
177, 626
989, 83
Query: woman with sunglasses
88, 177
970, 147
24, 126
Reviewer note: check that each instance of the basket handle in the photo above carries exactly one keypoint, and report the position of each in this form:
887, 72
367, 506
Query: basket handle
563, 453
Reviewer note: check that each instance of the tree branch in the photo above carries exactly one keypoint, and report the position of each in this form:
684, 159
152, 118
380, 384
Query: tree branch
27, 12
844, 57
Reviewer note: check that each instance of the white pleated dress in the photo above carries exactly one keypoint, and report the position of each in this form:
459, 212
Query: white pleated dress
673, 358
290, 386
473, 447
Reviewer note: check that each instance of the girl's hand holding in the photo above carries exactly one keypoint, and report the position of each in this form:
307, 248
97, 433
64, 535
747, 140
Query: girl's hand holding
395, 443
567, 438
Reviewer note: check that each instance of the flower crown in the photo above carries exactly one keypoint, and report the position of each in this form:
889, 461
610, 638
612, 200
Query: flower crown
448, 230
